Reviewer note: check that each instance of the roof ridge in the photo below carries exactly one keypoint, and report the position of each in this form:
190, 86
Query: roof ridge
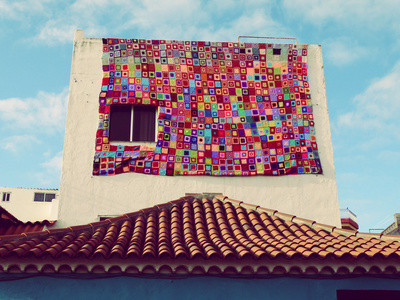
92, 226
17, 221
311, 223
10, 215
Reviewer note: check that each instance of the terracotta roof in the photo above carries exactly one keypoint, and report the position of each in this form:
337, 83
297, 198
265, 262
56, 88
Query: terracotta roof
9, 224
202, 234
6, 215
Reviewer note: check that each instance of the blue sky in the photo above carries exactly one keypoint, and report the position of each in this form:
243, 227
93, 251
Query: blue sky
360, 44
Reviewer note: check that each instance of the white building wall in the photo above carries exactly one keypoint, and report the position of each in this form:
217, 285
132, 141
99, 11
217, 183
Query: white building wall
85, 197
22, 206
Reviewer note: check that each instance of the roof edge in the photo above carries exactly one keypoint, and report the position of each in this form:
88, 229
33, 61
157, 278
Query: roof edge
201, 266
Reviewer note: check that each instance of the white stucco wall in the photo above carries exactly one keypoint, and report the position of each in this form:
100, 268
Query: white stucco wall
22, 206
84, 197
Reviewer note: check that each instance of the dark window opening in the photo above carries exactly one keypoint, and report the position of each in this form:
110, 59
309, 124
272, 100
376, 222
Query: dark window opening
39, 197
120, 120
132, 123
44, 197
6, 197
49, 197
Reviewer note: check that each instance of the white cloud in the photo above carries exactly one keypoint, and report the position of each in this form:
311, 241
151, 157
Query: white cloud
389, 156
363, 14
82, 14
44, 113
22, 8
256, 24
322, 10
17, 142
174, 19
87, 6
50, 176
152, 16
350, 177
54, 164
204, 20
377, 107
343, 51
54, 32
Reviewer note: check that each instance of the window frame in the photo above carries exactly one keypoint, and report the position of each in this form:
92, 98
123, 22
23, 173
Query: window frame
34, 197
53, 195
44, 197
131, 124
6, 197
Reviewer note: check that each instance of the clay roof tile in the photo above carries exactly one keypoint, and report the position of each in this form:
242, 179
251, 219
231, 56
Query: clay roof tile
206, 227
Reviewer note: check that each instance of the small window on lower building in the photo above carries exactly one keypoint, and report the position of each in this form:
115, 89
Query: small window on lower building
49, 197
133, 123
39, 197
6, 197
44, 197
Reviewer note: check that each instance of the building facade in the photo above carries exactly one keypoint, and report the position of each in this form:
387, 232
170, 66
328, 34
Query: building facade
91, 149
31, 204
271, 229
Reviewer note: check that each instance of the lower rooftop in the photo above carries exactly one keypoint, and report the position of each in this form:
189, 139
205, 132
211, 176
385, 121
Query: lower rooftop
202, 234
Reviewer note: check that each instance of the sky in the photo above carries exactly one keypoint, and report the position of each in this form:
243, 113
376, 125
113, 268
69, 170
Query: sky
360, 44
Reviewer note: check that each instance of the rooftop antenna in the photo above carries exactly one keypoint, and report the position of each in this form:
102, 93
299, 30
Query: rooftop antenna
380, 224
265, 37
376, 229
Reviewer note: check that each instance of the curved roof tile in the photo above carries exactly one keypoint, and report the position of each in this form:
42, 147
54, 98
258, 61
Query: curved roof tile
221, 233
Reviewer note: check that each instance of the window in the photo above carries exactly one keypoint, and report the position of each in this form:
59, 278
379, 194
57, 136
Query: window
44, 197
49, 197
133, 123
6, 197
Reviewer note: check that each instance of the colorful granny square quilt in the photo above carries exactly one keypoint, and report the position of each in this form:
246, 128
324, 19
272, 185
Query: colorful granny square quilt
223, 109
